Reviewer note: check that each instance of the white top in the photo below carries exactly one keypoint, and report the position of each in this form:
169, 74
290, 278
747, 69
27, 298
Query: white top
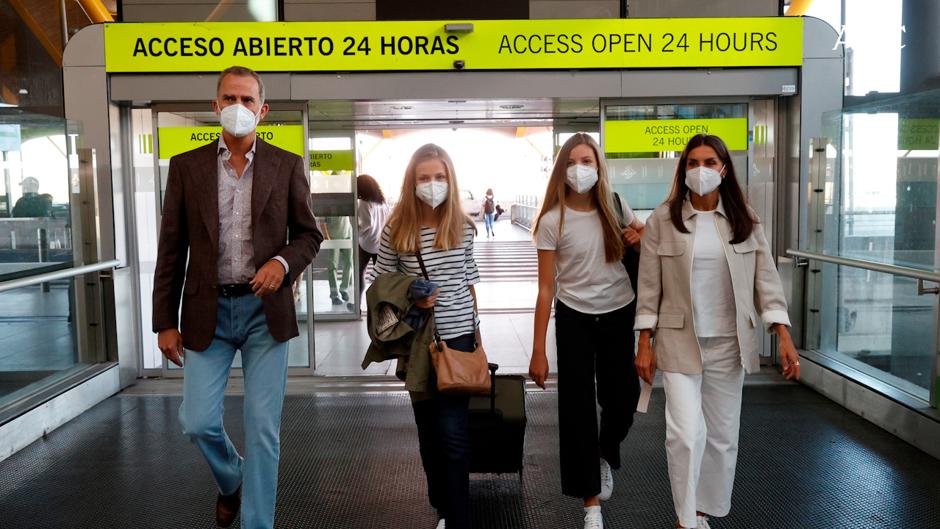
585, 281
712, 294
453, 270
372, 217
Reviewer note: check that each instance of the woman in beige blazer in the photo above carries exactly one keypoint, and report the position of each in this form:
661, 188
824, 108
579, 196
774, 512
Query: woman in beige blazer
707, 281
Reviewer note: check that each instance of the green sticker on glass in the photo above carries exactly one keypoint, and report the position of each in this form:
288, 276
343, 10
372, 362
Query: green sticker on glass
918, 134
661, 135
177, 140
331, 160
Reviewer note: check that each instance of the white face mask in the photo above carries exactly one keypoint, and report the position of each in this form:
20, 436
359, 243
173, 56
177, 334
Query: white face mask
581, 178
432, 193
702, 180
238, 121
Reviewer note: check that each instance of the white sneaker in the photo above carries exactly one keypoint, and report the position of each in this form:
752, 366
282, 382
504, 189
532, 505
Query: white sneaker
607, 481
701, 522
593, 519
440, 524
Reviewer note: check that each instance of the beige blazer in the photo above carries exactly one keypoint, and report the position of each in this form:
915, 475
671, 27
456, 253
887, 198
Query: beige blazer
664, 296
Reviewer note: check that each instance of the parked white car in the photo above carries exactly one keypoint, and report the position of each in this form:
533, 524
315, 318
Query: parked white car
470, 205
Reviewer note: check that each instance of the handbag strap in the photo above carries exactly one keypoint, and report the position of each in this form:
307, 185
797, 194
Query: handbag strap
424, 272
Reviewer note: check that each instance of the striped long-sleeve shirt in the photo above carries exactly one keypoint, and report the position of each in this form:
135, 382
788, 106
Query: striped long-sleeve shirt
453, 270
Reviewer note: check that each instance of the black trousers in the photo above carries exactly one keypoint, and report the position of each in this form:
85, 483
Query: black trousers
364, 258
444, 443
593, 347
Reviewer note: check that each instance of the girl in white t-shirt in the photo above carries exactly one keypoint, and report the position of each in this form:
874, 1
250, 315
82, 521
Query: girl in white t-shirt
580, 244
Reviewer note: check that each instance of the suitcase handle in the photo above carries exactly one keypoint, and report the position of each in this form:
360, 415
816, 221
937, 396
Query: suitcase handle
493, 367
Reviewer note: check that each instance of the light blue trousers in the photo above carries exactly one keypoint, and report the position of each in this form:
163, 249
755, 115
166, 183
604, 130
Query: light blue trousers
241, 326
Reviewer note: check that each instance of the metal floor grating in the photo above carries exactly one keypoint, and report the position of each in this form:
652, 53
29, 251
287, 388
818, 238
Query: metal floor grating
351, 461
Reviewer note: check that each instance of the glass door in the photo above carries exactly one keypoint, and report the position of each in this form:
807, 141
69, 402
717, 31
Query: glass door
642, 141
334, 272
180, 128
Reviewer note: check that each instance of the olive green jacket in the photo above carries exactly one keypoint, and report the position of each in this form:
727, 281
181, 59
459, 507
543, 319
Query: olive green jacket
410, 346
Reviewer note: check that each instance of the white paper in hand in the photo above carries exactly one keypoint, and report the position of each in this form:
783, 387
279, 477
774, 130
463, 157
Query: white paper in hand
645, 391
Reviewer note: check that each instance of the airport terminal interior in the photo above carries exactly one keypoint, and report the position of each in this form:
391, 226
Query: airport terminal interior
830, 110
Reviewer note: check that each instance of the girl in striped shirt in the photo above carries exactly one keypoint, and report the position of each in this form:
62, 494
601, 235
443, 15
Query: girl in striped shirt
428, 218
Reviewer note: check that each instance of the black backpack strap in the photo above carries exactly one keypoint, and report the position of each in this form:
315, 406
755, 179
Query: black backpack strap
619, 206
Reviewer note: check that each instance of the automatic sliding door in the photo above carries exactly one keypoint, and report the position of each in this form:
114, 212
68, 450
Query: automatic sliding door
181, 128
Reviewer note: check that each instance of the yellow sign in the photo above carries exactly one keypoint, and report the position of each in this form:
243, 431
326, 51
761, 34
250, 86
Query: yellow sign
177, 140
426, 45
331, 161
918, 134
658, 135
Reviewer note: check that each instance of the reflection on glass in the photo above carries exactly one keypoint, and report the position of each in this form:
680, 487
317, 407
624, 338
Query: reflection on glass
35, 223
333, 281
645, 177
883, 327
879, 203
37, 330
888, 190
339, 259
332, 182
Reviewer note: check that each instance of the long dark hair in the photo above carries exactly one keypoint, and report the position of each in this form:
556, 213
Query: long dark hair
732, 199
368, 189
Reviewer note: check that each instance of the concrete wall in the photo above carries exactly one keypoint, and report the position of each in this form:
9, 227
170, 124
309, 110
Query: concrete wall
317, 10
698, 8
314, 10
184, 11
574, 9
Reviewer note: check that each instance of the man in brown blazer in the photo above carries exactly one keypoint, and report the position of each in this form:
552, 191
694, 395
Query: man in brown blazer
237, 231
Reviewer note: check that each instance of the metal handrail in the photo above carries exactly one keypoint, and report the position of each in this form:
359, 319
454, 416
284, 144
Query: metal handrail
59, 274
904, 271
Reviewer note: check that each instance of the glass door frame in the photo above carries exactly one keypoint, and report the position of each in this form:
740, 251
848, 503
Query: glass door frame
356, 297
277, 106
768, 351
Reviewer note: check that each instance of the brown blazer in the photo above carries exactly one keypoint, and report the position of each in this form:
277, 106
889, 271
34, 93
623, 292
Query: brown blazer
664, 296
282, 224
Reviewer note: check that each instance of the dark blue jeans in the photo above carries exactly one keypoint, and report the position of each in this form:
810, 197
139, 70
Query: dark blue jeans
443, 441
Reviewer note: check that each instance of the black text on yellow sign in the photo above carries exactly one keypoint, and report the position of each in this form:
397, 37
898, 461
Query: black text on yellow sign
492, 45
309, 46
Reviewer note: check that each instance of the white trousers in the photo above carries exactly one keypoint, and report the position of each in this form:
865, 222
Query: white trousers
703, 416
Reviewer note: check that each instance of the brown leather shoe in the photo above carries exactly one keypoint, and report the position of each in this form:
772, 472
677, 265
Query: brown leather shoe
227, 507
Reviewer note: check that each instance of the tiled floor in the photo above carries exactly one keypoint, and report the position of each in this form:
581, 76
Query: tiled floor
350, 461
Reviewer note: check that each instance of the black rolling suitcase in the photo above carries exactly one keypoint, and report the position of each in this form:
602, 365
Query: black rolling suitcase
497, 426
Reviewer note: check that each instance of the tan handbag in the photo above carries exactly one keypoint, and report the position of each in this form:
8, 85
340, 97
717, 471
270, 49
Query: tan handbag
458, 371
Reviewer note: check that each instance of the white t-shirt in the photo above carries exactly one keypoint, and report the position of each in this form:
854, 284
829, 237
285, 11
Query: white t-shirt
585, 281
712, 293
372, 217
